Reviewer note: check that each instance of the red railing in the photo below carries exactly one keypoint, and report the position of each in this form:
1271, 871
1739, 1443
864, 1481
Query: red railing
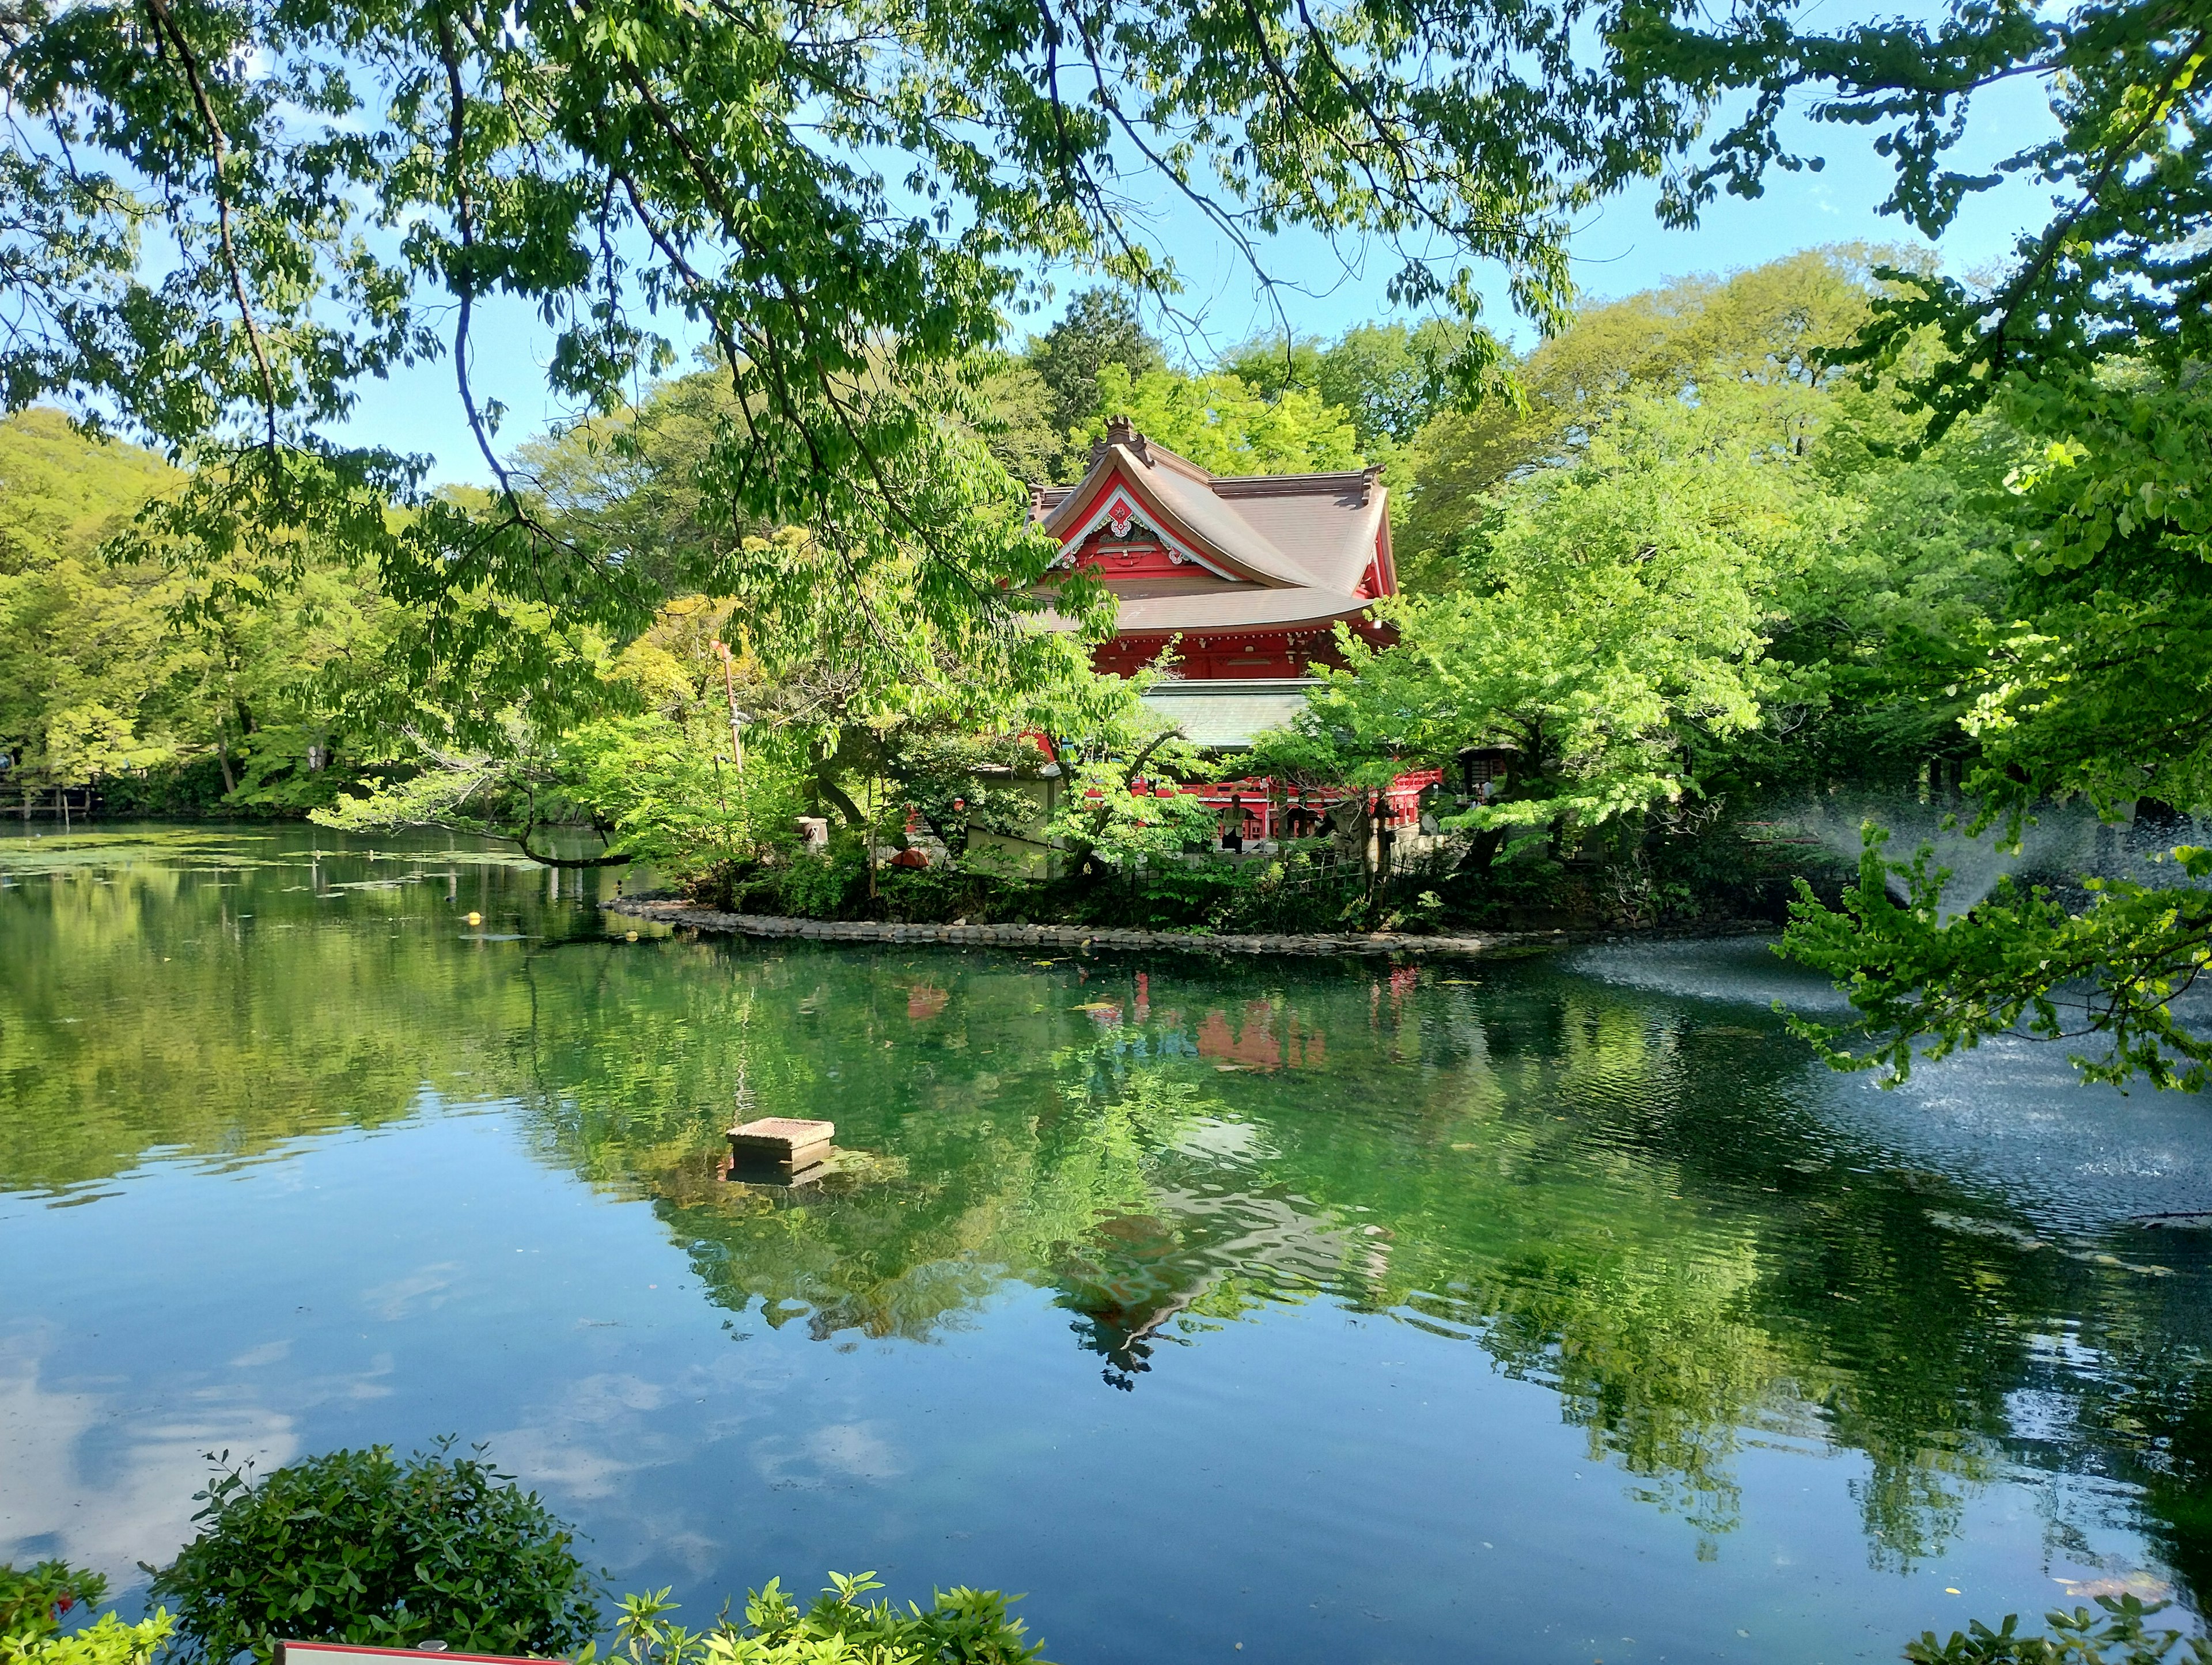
1264, 801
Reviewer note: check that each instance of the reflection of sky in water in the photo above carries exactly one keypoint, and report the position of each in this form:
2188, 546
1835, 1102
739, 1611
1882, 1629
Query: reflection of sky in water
1332, 1311
2010, 1112
1325, 1484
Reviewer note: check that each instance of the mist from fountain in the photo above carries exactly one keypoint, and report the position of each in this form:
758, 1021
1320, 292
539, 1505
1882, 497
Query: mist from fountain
2011, 1113
2059, 846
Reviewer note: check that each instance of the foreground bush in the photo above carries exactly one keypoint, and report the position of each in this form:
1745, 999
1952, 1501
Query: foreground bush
34, 1602
2117, 1637
354, 1547
958, 1628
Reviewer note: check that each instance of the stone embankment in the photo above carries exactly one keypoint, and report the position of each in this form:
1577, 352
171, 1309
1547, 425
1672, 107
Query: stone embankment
1076, 936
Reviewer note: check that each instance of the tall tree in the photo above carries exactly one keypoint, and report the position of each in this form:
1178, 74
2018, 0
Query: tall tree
1224, 426
2090, 342
1100, 327
1388, 378
1791, 320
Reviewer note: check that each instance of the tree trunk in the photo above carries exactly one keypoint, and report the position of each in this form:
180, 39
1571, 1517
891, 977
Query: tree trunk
823, 769
827, 788
1481, 851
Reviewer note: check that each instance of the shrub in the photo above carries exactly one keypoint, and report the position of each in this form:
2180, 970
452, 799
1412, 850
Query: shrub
107, 1641
2079, 1638
958, 1628
34, 1602
353, 1546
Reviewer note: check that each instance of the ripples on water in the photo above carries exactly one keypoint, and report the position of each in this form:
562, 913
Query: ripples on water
2011, 1112
1342, 1311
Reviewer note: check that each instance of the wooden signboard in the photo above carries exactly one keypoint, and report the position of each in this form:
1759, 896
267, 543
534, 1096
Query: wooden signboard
347, 1653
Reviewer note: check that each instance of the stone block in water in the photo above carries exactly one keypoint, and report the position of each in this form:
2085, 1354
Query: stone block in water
784, 1141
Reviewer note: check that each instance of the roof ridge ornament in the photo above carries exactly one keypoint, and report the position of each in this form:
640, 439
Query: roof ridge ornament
1370, 476
1122, 431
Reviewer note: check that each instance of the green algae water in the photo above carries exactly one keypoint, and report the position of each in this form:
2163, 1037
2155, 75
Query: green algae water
1559, 1310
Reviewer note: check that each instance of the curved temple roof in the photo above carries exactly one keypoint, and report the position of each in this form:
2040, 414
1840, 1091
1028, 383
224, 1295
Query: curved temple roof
1264, 551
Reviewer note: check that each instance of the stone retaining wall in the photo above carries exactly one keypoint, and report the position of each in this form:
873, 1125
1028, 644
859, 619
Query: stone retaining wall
1074, 936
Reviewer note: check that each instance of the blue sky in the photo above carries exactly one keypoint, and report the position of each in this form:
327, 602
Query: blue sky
1619, 249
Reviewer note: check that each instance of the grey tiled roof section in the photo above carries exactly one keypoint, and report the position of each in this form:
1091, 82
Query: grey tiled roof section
1327, 540
1217, 522
1310, 530
1228, 713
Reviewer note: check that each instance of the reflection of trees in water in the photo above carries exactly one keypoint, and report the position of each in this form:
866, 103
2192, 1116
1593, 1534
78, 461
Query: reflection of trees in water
1613, 1195
214, 995
1606, 1196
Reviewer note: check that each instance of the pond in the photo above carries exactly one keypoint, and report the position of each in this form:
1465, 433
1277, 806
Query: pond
1554, 1309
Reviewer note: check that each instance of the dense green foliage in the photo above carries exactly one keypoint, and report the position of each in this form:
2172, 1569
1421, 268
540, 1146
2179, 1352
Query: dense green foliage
2097, 688
133, 675
353, 1546
960, 1627
1389, 379
1616, 603
2117, 1636
37, 1602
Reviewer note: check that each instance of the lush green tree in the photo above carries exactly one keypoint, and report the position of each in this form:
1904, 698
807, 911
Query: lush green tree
1018, 424
2099, 691
1788, 321
84, 655
111, 668
1388, 378
1611, 609
1223, 425
2089, 340
1883, 629
1101, 327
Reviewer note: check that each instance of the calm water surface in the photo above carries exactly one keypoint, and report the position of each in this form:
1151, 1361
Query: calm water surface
1559, 1310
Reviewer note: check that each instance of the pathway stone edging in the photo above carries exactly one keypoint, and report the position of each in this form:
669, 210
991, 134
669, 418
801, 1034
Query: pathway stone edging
1073, 936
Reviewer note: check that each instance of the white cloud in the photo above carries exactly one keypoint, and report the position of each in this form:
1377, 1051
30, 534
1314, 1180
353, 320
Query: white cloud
400, 1299
81, 1477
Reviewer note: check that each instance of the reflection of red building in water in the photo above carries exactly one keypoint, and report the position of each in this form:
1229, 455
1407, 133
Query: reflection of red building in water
1255, 1044
1246, 577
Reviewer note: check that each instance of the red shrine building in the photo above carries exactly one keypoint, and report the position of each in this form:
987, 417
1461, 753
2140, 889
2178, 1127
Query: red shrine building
1246, 575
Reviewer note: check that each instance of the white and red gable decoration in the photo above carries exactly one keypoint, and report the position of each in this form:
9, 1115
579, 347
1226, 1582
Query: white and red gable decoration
1247, 575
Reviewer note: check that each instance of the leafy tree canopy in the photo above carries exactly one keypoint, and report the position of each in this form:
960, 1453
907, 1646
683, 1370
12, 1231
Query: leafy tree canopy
839, 208
1223, 425
1100, 327
1615, 603
1388, 378
1791, 320
109, 669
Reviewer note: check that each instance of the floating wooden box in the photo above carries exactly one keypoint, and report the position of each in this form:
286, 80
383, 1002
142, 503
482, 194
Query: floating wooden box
785, 1141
